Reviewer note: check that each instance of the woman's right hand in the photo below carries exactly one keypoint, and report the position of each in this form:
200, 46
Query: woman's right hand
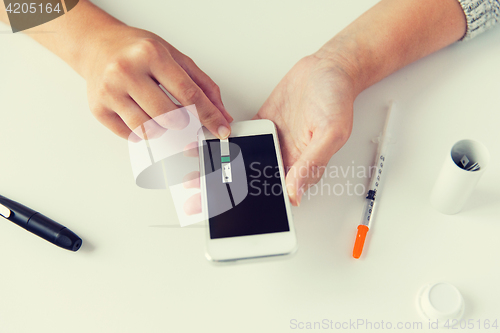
123, 75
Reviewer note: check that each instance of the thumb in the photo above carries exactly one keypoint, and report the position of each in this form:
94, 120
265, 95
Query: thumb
311, 165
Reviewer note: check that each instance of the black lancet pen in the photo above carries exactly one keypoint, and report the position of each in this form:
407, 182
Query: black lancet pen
39, 224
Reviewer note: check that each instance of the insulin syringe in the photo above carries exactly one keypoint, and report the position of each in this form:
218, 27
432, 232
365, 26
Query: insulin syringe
373, 190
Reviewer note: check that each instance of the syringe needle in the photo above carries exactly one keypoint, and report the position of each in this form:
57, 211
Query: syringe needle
376, 179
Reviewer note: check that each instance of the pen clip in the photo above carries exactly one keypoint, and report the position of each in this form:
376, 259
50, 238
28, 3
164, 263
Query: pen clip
4, 211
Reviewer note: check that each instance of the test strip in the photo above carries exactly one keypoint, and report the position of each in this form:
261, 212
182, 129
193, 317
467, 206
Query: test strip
225, 160
224, 147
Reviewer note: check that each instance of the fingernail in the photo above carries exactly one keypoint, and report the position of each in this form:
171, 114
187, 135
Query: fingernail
300, 192
223, 132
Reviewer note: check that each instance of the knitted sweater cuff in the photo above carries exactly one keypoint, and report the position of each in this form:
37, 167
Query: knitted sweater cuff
481, 15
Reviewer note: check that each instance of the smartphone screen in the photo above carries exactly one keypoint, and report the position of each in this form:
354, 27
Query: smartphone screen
261, 210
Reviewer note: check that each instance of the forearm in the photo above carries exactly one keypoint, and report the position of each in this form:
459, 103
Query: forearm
73, 36
393, 34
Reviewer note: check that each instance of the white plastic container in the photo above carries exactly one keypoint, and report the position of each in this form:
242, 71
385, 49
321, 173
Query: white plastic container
458, 177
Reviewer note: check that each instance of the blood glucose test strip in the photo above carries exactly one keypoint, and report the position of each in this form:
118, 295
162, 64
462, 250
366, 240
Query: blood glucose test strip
225, 161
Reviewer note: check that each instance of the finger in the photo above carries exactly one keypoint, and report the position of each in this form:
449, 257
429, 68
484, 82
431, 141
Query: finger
171, 76
191, 150
157, 105
310, 166
209, 87
175, 120
112, 121
193, 204
135, 118
191, 180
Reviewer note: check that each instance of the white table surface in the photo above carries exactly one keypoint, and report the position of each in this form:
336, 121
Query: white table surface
139, 272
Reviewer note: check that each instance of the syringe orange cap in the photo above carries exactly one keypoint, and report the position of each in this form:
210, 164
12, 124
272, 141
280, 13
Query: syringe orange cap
360, 241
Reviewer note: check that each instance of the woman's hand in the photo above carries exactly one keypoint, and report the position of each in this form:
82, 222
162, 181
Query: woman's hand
123, 75
312, 108
312, 105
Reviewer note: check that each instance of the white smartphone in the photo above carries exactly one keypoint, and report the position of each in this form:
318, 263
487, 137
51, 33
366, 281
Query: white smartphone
244, 197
